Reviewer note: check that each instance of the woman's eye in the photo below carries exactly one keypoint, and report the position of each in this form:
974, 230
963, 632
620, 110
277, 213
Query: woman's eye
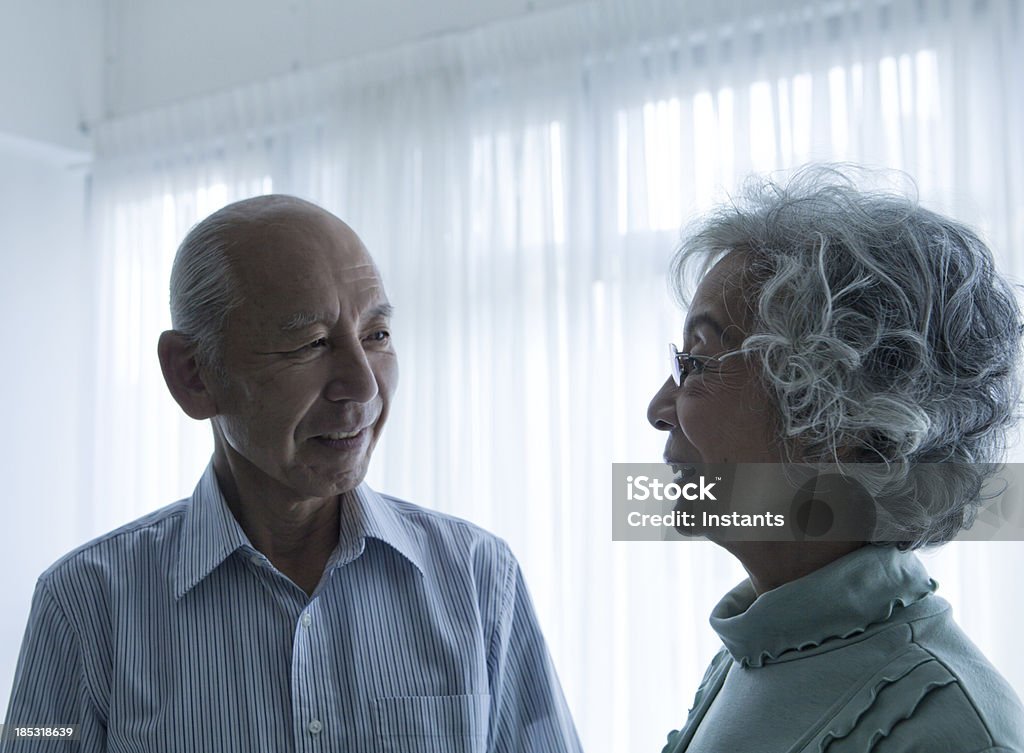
694, 365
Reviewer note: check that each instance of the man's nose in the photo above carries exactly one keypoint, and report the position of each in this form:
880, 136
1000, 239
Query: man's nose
662, 410
352, 377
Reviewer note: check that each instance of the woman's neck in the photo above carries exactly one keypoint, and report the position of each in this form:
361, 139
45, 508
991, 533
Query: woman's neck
770, 564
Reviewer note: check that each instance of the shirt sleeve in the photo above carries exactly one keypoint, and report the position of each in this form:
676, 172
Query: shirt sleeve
528, 710
49, 686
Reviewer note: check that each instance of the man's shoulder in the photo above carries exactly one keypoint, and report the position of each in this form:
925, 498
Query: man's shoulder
154, 535
435, 520
440, 534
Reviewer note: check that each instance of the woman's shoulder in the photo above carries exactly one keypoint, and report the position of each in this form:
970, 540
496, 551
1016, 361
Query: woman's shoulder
979, 692
939, 693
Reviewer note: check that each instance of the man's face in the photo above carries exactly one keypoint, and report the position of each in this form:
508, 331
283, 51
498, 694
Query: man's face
308, 357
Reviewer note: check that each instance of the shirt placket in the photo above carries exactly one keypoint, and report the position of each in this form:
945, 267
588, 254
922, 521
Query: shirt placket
314, 721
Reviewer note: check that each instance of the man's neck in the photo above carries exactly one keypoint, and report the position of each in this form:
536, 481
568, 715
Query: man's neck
296, 535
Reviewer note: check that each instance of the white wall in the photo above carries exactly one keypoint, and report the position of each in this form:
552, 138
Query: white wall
44, 328
51, 55
159, 52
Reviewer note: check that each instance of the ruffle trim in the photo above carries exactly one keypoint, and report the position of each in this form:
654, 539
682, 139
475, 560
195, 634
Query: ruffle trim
815, 613
862, 724
775, 653
712, 677
673, 740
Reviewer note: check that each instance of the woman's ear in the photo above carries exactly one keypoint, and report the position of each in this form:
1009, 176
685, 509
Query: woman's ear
183, 377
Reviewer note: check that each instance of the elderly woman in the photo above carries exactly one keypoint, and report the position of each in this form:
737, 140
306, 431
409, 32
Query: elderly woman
833, 325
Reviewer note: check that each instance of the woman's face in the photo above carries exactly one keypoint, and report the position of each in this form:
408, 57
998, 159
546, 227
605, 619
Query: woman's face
722, 415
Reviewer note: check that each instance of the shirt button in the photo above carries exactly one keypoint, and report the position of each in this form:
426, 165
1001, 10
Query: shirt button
315, 726
306, 620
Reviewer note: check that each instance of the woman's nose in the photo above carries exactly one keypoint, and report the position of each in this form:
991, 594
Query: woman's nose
662, 410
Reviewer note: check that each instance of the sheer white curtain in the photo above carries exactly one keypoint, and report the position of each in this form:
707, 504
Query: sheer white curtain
522, 188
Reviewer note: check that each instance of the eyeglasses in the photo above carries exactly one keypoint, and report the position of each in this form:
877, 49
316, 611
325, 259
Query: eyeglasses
684, 364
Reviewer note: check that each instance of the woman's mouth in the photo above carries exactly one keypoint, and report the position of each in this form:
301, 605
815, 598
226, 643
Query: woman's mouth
681, 471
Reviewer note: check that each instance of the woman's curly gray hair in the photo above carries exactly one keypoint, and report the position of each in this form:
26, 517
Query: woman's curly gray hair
885, 336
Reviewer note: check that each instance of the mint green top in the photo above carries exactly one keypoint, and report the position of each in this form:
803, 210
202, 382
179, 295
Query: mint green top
857, 656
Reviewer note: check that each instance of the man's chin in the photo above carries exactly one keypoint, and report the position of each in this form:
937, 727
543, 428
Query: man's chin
337, 482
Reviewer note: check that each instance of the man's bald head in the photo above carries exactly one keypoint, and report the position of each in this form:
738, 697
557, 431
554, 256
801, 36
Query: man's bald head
204, 284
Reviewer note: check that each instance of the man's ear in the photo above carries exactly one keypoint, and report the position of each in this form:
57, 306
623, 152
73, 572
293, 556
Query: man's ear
181, 372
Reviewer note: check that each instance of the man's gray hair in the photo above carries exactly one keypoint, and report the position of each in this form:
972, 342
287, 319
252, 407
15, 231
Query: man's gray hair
204, 288
884, 335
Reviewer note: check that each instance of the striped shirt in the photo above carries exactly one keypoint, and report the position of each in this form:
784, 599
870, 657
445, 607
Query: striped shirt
173, 633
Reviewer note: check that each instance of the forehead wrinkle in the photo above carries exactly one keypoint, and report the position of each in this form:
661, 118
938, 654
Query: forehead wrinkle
372, 279
302, 319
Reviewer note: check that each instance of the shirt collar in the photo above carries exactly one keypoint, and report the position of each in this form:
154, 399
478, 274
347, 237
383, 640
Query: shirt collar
365, 514
840, 600
210, 533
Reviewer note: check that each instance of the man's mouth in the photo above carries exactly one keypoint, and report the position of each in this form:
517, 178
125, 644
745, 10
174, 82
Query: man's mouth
340, 434
343, 440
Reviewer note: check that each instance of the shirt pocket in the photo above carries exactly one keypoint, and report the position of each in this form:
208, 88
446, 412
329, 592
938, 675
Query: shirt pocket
432, 723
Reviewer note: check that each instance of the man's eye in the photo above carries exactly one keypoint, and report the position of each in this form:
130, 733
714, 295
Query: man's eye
315, 345
380, 336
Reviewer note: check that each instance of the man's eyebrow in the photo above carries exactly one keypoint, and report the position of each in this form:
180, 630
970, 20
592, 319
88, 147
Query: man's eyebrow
380, 311
302, 319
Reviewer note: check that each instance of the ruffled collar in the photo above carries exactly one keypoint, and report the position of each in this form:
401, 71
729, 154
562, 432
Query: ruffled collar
842, 599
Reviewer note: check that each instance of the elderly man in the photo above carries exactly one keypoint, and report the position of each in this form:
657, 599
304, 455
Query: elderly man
286, 606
